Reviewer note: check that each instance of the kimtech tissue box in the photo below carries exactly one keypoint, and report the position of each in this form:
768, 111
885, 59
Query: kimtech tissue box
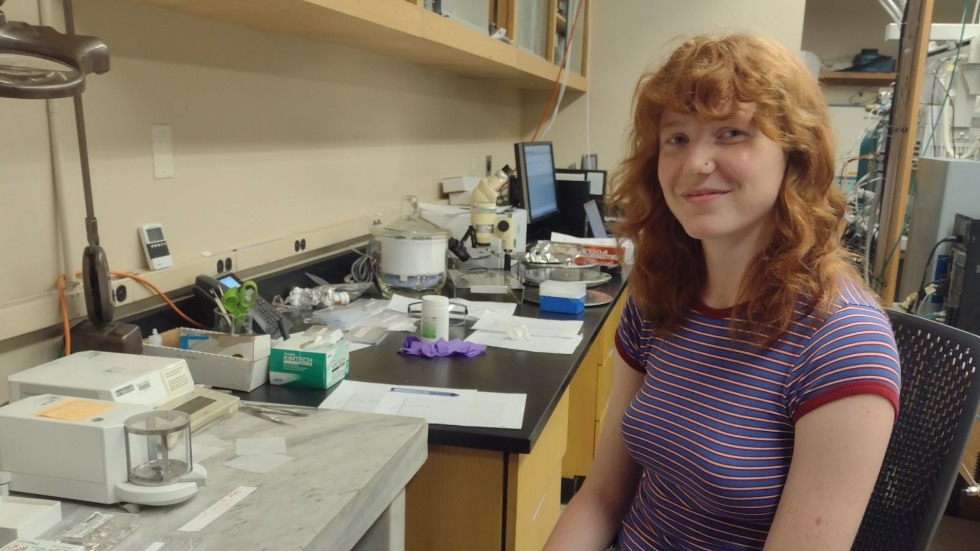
311, 359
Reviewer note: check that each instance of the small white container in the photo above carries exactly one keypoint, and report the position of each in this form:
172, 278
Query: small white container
563, 289
435, 318
25, 517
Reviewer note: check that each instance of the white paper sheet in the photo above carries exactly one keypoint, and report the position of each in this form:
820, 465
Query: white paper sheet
210, 440
564, 238
205, 445
499, 323
478, 308
260, 463
545, 345
365, 397
355, 346
272, 444
474, 308
200, 453
469, 408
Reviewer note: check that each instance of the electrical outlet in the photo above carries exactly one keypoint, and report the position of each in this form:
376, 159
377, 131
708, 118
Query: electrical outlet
120, 294
489, 165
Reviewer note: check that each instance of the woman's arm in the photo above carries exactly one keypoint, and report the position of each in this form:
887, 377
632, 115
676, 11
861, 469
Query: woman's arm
837, 454
594, 515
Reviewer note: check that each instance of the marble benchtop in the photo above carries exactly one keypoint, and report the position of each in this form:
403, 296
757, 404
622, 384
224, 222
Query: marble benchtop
346, 469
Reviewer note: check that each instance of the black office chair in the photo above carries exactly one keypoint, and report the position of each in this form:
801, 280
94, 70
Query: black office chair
939, 400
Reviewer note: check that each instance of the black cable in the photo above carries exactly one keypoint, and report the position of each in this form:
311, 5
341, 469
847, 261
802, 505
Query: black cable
925, 270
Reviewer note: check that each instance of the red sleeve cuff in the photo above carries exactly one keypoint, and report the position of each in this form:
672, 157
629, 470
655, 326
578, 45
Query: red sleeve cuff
851, 389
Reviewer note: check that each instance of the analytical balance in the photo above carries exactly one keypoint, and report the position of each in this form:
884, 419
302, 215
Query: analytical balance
98, 451
157, 382
130, 378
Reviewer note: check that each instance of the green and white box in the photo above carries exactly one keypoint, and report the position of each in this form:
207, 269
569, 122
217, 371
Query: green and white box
311, 361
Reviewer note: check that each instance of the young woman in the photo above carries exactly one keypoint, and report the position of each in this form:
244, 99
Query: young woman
757, 379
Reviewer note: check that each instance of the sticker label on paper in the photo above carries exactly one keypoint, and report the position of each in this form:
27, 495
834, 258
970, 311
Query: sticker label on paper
87, 526
74, 409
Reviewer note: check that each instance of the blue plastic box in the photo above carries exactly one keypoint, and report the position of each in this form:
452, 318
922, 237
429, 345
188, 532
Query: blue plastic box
565, 297
563, 305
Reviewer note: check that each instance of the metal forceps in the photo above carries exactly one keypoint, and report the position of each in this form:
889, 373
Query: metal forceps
270, 413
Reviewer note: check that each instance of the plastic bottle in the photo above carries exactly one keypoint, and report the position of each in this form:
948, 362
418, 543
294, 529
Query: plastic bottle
336, 298
435, 318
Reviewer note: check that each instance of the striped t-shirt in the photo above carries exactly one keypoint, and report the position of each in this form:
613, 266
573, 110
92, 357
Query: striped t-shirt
712, 423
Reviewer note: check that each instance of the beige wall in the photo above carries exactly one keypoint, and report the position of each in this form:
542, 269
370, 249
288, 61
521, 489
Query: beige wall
276, 137
630, 36
273, 137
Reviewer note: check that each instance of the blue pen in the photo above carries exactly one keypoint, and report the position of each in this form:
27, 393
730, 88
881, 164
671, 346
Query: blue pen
423, 391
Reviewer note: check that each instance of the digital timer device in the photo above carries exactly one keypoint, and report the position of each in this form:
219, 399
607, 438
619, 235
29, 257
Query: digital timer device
155, 246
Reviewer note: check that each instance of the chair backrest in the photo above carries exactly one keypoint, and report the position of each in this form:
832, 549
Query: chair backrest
938, 404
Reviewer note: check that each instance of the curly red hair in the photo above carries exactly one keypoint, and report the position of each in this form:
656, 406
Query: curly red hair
805, 258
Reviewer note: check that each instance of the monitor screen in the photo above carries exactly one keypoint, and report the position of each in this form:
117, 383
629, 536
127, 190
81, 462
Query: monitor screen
154, 234
536, 175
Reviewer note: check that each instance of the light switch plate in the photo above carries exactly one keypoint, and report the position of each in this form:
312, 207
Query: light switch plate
163, 152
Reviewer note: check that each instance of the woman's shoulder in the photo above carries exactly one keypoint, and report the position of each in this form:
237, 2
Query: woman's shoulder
853, 311
852, 307
855, 296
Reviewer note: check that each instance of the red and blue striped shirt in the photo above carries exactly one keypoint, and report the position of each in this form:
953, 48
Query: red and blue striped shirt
712, 423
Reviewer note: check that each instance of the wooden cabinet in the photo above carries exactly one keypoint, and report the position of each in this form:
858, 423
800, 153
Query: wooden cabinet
402, 29
604, 378
571, 24
544, 27
481, 500
583, 393
589, 394
534, 485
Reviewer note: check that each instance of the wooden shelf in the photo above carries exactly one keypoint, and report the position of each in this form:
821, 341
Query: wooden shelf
397, 28
856, 78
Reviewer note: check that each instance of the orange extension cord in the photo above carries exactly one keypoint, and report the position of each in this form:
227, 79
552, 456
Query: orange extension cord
64, 304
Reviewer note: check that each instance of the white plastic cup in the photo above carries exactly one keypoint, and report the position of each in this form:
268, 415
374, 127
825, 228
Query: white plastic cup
435, 318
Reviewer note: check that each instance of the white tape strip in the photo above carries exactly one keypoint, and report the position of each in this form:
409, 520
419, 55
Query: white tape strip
208, 515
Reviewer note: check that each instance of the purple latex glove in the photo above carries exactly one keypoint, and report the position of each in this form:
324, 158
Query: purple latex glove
417, 347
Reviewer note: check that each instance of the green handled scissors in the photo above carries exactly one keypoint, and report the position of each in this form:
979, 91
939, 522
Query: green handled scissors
237, 300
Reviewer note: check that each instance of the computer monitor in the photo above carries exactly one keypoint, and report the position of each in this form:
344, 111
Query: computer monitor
536, 189
596, 226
